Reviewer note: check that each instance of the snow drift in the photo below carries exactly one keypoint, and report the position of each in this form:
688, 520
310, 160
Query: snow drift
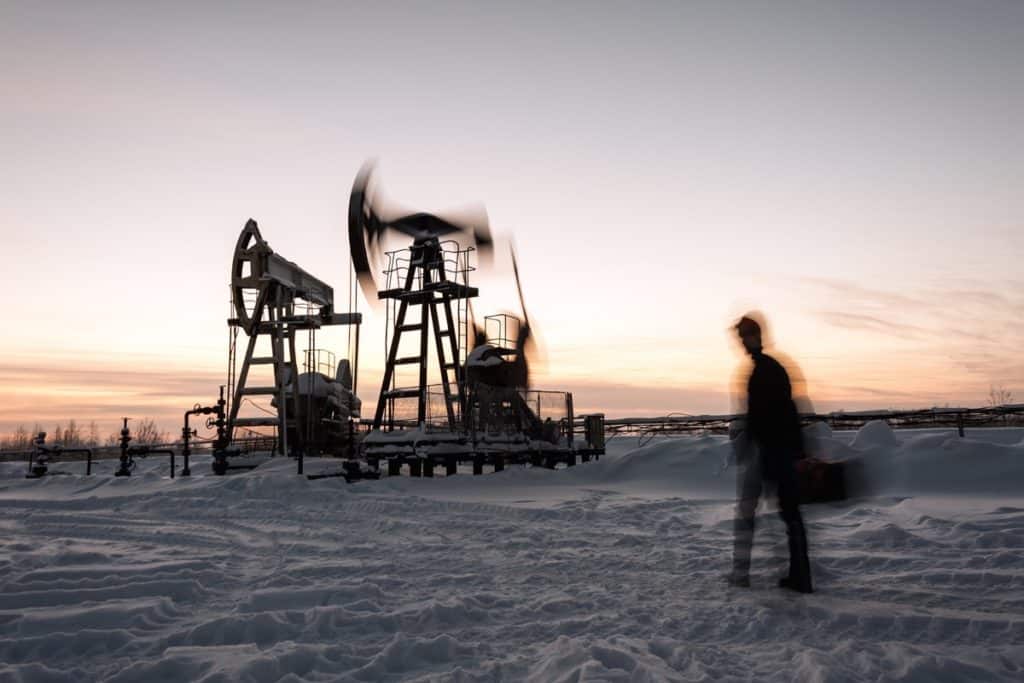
609, 571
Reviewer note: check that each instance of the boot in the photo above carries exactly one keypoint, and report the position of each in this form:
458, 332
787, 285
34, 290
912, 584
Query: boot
798, 585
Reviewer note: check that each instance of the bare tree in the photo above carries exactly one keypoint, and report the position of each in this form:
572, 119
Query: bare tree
24, 437
19, 440
92, 440
999, 395
146, 432
72, 435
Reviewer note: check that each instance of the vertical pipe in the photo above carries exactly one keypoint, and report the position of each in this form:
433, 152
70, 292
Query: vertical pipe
355, 365
421, 406
282, 437
572, 418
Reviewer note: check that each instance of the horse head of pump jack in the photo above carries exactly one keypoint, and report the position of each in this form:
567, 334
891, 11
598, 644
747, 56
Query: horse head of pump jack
371, 218
262, 278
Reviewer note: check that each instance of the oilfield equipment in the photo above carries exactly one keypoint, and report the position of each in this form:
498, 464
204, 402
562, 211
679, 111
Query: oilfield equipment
453, 391
482, 409
274, 301
43, 455
129, 453
426, 290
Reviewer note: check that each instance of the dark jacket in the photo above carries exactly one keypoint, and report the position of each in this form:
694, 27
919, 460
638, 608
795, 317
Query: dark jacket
772, 419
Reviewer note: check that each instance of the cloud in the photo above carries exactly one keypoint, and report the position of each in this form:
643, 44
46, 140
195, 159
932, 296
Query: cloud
37, 391
856, 295
964, 321
617, 399
854, 390
946, 341
115, 377
870, 323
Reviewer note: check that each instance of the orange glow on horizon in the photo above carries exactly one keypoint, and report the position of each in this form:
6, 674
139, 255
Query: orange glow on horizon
47, 394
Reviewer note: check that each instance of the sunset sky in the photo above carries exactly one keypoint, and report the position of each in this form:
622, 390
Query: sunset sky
855, 170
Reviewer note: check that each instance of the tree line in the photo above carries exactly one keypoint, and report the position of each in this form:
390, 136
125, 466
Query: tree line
145, 432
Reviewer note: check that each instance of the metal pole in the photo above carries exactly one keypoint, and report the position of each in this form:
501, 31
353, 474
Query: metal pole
355, 366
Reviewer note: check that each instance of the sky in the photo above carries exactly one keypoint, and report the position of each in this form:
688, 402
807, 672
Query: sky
854, 170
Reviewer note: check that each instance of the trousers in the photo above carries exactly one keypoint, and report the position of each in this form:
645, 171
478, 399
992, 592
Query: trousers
750, 484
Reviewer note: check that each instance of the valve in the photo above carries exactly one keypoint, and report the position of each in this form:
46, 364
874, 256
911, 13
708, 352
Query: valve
37, 465
127, 462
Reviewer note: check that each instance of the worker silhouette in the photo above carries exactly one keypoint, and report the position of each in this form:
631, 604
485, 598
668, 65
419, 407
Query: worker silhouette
771, 443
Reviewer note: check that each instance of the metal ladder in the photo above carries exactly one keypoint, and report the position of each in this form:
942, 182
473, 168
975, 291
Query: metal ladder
428, 286
284, 364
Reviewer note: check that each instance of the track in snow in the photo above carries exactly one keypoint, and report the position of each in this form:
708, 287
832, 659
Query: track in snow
265, 576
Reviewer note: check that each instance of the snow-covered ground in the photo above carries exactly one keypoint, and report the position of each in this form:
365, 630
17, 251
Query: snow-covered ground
609, 571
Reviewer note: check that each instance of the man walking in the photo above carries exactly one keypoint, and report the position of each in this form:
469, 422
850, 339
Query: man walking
773, 427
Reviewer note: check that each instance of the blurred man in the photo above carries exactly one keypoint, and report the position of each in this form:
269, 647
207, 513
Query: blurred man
773, 442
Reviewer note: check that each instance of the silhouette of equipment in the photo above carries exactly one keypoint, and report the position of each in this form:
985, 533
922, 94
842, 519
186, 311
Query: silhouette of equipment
431, 275
482, 408
273, 299
220, 423
129, 453
43, 455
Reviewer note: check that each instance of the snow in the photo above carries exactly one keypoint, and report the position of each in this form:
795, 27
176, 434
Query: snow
608, 571
484, 356
874, 434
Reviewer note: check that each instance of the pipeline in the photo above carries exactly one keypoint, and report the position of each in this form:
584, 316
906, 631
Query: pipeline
39, 458
186, 433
